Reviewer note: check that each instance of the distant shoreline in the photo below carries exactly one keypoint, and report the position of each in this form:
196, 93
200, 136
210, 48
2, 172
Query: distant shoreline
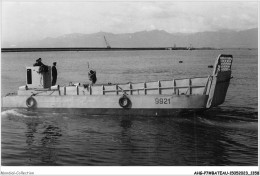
107, 49
96, 49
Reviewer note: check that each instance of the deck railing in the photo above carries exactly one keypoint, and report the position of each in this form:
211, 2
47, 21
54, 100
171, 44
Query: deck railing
176, 86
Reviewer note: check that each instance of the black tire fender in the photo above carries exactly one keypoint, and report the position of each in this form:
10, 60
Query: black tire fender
124, 102
31, 102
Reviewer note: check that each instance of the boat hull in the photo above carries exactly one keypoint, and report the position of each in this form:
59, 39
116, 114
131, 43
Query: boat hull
117, 112
156, 105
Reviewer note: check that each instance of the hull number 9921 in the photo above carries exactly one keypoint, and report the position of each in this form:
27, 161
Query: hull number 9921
162, 101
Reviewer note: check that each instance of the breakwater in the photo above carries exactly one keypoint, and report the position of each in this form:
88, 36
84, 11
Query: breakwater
96, 49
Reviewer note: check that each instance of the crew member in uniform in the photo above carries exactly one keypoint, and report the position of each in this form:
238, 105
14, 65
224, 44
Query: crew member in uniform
38, 62
54, 74
43, 68
92, 76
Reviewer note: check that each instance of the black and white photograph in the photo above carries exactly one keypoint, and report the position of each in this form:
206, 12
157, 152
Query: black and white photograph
129, 87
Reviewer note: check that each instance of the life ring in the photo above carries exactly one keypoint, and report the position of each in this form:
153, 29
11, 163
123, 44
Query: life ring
124, 102
31, 102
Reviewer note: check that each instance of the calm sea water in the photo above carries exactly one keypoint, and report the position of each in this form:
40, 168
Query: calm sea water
226, 135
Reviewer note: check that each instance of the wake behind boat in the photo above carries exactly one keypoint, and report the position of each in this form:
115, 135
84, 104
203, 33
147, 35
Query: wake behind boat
160, 98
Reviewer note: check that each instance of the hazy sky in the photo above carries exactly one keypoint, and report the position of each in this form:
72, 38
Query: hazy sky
29, 20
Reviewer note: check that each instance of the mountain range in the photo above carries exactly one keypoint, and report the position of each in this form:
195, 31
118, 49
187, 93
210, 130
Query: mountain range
155, 38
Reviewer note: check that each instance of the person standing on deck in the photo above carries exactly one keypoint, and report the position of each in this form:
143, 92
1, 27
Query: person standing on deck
38, 62
92, 76
43, 68
54, 74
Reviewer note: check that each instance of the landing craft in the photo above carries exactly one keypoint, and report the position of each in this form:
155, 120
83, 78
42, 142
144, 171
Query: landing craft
158, 98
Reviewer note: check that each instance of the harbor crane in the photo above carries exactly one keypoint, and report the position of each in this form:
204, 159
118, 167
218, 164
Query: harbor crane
108, 46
